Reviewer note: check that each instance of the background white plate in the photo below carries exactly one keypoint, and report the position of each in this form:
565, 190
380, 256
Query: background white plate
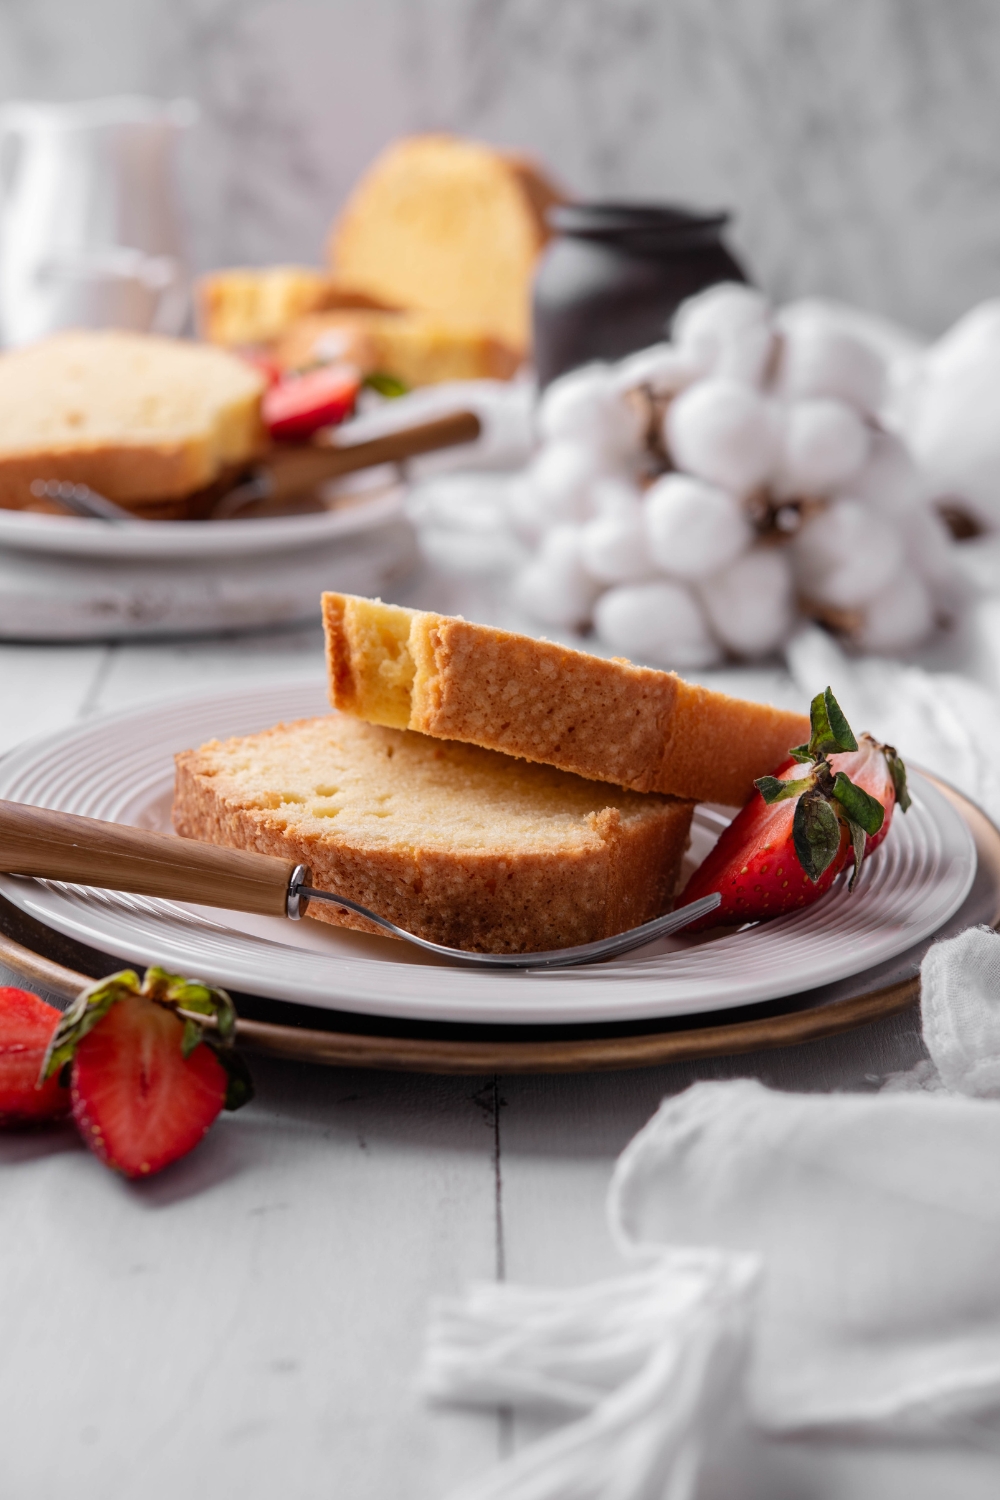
74, 536
120, 768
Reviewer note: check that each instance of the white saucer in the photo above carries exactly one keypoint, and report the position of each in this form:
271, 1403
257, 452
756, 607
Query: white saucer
120, 768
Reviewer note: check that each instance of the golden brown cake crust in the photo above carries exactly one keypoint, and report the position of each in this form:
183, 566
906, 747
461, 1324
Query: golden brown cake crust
600, 860
606, 720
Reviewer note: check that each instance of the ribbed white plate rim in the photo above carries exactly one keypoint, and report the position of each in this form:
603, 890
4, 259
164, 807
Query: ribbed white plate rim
119, 767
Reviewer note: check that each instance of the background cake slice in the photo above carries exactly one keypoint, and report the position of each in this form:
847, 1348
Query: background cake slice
448, 226
605, 719
460, 845
130, 414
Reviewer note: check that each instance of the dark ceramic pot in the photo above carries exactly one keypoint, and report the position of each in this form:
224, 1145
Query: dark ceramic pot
613, 276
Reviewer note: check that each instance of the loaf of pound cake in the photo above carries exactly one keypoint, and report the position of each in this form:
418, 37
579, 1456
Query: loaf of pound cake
460, 845
606, 720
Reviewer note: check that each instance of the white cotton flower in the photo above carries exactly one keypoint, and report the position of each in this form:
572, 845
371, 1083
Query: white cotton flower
709, 319
614, 495
817, 358
824, 444
889, 480
661, 623
585, 406
846, 555
554, 488
554, 587
693, 528
750, 604
726, 330
723, 431
614, 549
614, 546
665, 368
748, 356
902, 615
931, 550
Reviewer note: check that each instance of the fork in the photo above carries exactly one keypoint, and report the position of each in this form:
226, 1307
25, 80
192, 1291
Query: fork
112, 856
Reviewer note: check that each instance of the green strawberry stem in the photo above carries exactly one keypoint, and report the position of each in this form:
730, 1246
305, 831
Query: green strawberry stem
828, 800
208, 1014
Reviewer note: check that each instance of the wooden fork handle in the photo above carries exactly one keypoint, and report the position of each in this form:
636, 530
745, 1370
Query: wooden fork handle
290, 470
62, 846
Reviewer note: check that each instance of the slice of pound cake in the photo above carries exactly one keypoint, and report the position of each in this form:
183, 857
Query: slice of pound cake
636, 727
457, 844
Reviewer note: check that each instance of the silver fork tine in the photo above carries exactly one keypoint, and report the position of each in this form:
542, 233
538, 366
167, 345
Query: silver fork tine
558, 958
81, 500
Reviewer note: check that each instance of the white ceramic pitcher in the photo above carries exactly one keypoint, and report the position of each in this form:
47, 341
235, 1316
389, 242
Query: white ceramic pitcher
90, 234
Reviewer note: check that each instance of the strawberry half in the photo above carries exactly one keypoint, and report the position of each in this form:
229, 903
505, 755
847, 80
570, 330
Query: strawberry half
27, 1025
830, 802
147, 1074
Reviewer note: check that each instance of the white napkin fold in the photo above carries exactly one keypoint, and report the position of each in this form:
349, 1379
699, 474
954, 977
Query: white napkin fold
850, 1243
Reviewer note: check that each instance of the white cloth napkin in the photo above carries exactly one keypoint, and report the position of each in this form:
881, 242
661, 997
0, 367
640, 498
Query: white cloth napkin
845, 1248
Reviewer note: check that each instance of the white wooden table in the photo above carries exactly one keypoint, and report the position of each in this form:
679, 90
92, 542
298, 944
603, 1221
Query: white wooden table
249, 1324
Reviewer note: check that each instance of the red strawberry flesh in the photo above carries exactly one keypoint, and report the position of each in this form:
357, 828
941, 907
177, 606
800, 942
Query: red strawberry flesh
26, 1027
138, 1102
754, 865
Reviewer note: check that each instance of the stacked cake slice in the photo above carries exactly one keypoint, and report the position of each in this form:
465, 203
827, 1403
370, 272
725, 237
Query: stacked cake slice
480, 788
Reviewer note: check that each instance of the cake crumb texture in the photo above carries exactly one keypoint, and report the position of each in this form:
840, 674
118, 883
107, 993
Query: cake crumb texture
460, 845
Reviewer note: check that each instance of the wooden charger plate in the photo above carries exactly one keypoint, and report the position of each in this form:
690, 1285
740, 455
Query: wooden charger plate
305, 1034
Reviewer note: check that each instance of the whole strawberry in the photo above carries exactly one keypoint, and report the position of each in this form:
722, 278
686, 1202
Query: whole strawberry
149, 1065
830, 802
26, 1028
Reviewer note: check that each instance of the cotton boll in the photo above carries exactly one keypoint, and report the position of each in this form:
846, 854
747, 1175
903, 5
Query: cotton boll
663, 367
748, 355
846, 555
555, 488
723, 431
614, 548
818, 359
614, 495
585, 406
931, 550
660, 623
555, 588
889, 481
693, 528
750, 604
708, 320
901, 616
825, 443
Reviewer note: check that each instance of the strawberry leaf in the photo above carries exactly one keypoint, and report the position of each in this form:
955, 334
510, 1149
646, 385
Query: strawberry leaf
239, 1084
208, 1014
898, 773
830, 730
859, 805
859, 840
815, 833
801, 752
773, 789
89, 1007
192, 1037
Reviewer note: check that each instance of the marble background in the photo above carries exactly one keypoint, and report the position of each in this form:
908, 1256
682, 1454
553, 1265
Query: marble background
857, 141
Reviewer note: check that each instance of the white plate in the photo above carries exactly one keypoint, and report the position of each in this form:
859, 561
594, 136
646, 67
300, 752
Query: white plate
74, 536
120, 768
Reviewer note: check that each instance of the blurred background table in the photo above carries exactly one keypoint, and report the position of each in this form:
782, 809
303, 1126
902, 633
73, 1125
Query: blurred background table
251, 1322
